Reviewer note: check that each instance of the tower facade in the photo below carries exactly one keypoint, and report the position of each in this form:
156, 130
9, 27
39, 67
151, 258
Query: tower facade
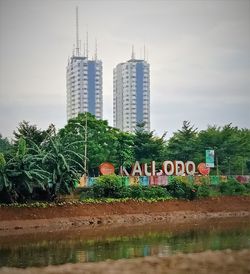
131, 95
84, 87
83, 82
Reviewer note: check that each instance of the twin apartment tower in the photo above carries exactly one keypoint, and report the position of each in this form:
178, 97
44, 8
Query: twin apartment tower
131, 89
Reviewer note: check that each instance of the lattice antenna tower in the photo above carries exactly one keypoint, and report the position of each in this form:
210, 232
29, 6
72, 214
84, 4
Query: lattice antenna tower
95, 49
87, 44
77, 34
133, 53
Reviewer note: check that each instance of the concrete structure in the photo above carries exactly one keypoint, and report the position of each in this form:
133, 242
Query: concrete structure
131, 95
84, 87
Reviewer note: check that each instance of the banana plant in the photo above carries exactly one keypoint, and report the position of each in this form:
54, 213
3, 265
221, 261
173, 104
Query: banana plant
5, 183
25, 172
64, 164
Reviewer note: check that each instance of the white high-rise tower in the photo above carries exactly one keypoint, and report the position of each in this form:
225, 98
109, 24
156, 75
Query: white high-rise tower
131, 94
84, 82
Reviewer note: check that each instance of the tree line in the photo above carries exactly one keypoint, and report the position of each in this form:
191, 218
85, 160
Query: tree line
46, 163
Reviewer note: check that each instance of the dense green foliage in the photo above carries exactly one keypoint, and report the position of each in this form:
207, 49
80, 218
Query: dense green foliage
148, 147
39, 171
232, 187
104, 143
42, 164
178, 188
109, 186
5, 145
183, 144
32, 134
144, 192
112, 186
231, 145
204, 191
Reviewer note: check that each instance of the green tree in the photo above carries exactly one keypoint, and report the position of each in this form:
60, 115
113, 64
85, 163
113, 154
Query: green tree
147, 146
231, 145
123, 153
183, 145
32, 134
101, 140
5, 145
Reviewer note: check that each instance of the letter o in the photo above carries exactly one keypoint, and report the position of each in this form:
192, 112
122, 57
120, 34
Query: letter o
165, 168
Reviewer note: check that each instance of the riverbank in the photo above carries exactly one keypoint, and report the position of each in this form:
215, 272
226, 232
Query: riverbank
16, 221
223, 262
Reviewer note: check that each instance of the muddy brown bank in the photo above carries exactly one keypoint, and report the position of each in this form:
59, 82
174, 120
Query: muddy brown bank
15, 221
21, 221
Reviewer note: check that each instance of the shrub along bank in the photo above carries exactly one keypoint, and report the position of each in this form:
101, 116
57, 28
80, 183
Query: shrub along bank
113, 186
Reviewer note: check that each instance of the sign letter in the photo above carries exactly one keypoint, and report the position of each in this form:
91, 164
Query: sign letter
190, 168
168, 168
179, 168
136, 169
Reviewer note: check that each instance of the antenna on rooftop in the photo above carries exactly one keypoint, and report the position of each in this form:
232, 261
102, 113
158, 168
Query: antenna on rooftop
84, 49
144, 53
87, 44
77, 33
95, 49
133, 53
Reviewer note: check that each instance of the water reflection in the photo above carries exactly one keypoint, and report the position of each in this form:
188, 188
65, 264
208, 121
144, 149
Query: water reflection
143, 243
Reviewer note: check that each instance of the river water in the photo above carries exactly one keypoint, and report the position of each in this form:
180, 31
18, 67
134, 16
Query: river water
122, 242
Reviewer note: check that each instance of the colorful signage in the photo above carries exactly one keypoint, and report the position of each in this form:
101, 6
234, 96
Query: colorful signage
177, 168
106, 168
209, 158
203, 169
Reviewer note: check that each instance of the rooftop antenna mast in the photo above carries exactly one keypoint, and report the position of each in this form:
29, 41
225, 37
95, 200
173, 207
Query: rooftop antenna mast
95, 49
144, 52
133, 53
87, 44
84, 49
77, 34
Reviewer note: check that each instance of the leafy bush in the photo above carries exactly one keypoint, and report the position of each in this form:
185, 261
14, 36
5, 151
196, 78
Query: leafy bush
232, 187
109, 186
136, 192
112, 186
247, 186
86, 193
179, 189
203, 191
155, 192
145, 192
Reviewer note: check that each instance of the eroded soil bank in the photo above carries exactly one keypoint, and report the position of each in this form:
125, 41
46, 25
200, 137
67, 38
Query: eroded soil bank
31, 224
222, 262
16, 221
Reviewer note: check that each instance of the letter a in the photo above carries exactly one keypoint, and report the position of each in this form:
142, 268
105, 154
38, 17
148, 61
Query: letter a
136, 169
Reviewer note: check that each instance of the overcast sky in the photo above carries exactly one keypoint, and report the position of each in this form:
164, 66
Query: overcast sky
199, 55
